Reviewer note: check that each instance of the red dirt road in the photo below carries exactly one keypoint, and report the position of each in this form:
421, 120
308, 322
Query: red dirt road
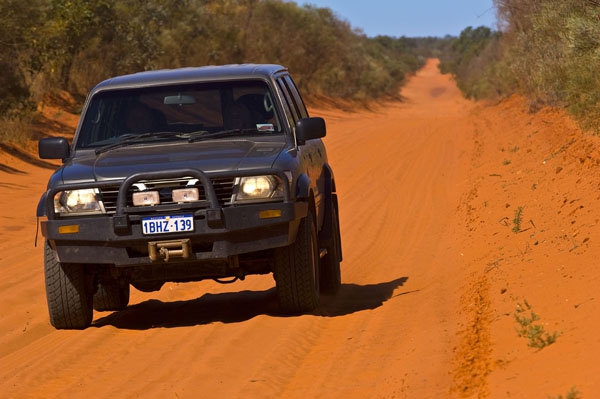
436, 264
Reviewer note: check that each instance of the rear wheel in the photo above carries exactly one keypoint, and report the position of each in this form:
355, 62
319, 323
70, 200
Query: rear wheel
111, 295
296, 270
68, 292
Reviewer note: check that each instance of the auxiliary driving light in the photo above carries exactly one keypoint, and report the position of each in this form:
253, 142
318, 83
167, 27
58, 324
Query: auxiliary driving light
145, 198
185, 195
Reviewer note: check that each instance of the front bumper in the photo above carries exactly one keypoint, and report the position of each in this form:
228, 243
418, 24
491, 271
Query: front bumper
95, 241
219, 233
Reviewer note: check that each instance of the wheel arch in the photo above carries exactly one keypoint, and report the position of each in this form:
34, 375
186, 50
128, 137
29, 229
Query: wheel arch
41, 208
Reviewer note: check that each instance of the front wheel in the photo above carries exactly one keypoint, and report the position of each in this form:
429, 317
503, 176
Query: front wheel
296, 270
68, 292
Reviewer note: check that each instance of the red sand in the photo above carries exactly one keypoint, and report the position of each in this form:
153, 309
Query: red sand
435, 267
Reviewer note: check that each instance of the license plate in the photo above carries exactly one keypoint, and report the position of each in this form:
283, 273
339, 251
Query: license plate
167, 224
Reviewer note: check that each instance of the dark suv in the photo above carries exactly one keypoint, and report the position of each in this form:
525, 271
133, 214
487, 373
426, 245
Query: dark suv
182, 175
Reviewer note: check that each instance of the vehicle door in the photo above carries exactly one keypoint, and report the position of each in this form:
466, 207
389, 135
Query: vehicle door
312, 152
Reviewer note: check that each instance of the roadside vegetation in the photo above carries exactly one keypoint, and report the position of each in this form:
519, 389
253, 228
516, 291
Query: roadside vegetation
58, 46
548, 51
535, 333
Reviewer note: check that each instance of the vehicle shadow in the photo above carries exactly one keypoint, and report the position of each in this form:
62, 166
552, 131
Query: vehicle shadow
240, 306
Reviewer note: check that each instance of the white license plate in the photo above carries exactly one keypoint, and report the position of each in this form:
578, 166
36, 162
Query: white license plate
167, 224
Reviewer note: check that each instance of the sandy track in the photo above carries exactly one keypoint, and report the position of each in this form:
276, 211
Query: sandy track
402, 325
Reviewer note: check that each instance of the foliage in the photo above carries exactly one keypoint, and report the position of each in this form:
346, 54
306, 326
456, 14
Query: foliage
573, 393
535, 333
54, 45
517, 220
18, 60
467, 46
546, 50
475, 59
558, 42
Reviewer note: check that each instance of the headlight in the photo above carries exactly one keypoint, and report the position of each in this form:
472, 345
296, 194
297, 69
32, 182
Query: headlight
259, 188
74, 202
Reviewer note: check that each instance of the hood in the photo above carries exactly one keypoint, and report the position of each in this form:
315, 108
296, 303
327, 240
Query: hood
213, 156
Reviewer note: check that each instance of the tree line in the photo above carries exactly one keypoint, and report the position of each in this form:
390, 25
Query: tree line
546, 50
70, 45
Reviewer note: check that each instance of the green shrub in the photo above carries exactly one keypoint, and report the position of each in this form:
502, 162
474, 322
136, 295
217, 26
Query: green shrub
475, 60
536, 334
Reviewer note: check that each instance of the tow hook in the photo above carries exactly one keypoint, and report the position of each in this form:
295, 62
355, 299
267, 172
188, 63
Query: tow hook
166, 250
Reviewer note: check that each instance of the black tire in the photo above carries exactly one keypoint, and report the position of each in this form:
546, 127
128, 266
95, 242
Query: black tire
296, 271
68, 292
330, 272
111, 296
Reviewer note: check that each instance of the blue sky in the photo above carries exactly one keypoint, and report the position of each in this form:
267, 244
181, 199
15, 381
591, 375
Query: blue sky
412, 18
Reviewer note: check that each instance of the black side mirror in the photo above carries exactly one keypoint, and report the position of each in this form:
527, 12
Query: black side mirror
309, 129
53, 148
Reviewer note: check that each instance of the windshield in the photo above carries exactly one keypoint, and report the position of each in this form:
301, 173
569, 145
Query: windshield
182, 110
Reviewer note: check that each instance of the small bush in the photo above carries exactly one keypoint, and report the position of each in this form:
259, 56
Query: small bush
16, 130
537, 336
572, 394
517, 220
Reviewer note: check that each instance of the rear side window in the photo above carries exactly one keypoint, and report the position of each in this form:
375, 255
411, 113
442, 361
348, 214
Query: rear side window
297, 99
290, 110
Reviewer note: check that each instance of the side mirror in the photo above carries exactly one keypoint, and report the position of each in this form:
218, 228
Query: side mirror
309, 129
53, 148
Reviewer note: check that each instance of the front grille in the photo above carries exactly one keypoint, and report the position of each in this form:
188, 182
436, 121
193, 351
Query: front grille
223, 189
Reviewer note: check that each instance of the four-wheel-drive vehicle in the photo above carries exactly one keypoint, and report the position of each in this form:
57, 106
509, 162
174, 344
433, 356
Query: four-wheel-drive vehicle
215, 172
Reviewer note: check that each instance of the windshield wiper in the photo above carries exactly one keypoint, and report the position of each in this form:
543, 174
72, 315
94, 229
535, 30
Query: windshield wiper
131, 138
203, 135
